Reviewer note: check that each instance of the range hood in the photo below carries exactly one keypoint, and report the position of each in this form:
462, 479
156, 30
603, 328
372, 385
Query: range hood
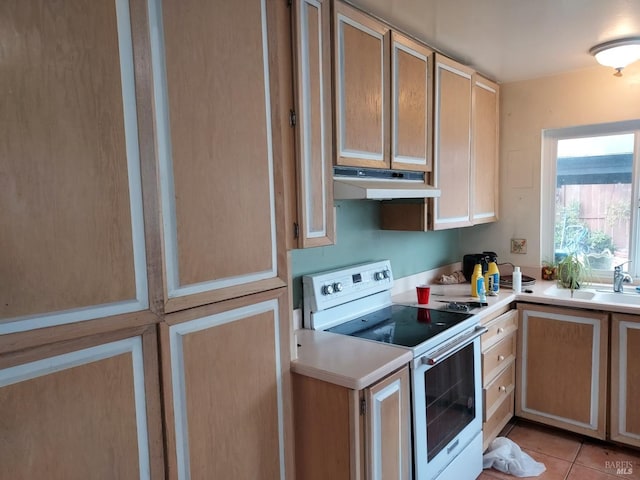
351, 183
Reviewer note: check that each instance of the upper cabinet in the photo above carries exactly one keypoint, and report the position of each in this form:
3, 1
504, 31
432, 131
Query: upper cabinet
383, 95
314, 126
361, 68
71, 228
452, 144
219, 142
485, 128
465, 155
411, 83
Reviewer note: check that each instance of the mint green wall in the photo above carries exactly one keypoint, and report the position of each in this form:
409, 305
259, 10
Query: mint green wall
359, 239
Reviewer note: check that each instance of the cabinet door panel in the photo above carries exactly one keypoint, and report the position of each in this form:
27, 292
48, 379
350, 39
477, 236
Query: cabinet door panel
452, 144
362, 89
81, 414
411, 65
70, 200
314, 127
625, 379
562, 368
216, 148
389, 428
229, 387
485, 150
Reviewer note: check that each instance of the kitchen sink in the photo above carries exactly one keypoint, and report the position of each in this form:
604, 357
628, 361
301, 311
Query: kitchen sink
614, 297
582, 294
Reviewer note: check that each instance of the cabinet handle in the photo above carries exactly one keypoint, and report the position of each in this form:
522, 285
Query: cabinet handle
500, 358
503, 388
500, 329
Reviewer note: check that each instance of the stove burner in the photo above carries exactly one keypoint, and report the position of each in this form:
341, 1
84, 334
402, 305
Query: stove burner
401, 325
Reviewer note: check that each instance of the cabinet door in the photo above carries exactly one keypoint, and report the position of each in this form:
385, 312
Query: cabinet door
412, 90
314, 125
452, 144
82, 409
362, 89
562, 368
625, 379
227, 389
388, 428
71, 229
215, 72
485, 127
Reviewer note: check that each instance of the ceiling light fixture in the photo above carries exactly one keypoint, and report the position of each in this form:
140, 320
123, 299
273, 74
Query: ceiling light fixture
617, 53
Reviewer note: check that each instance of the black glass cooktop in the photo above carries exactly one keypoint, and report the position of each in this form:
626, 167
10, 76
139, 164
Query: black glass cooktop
401, 325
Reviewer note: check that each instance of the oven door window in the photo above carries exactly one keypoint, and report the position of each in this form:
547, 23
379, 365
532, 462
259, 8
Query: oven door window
450, 399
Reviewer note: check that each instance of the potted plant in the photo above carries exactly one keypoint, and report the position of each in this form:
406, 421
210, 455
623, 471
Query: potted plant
572, 272
549, 270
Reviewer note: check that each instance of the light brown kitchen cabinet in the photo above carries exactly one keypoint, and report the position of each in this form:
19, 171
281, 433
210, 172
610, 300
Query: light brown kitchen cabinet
625, 379
465, 158
361, 66
411, 98
227, 389
220, 140
452, 144
484, 163
83, 408
314, 126
498, 372
347, 434
71, 226
561, 377
383, 94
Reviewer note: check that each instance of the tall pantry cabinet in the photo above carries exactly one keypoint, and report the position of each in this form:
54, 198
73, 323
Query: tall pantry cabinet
143, 226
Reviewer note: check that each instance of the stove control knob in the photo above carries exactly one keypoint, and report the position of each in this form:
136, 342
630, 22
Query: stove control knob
337, 287
327, 289
386, 273
378, 276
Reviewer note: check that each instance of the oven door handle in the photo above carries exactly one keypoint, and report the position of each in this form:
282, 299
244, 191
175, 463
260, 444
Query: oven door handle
454, 346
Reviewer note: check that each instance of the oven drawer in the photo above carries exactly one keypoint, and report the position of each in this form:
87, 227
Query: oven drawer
499, 328
497, 357
496, 422
498, 389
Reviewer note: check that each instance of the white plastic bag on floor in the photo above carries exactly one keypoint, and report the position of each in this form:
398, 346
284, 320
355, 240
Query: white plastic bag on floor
504, 455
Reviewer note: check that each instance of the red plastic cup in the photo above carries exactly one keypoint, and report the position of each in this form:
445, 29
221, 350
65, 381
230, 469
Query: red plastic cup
423, 294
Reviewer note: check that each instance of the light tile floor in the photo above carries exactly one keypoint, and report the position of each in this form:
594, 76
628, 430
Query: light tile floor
569, 456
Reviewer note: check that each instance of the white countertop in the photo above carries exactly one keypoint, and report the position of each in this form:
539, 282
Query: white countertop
356, 363
440, 294
347, 361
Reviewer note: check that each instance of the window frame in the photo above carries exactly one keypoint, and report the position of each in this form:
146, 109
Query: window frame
550, 138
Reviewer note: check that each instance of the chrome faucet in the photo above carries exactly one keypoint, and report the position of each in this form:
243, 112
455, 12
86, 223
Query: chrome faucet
620, 277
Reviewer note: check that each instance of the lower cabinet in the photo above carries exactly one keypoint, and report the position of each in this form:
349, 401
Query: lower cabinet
350, 434
498, 373
625, 379
83, 408
562, 368
226, 382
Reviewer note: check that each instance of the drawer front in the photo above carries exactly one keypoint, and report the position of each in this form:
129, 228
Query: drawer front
497, 357
498, 389
496, 422
499, 328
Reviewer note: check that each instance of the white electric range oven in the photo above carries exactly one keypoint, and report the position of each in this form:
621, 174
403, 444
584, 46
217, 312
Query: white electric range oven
446, 395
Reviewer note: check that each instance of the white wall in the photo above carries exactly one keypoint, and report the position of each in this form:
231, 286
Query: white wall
527, 108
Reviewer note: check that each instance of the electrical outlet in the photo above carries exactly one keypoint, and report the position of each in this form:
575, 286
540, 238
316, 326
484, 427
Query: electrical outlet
519, 245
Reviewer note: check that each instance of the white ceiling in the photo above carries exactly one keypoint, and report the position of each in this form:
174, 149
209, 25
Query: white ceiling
511, 40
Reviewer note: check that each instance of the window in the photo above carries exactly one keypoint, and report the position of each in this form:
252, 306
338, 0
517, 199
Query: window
591, 181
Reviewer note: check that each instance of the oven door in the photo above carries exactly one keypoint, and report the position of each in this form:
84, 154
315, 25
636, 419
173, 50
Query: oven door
447, 408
